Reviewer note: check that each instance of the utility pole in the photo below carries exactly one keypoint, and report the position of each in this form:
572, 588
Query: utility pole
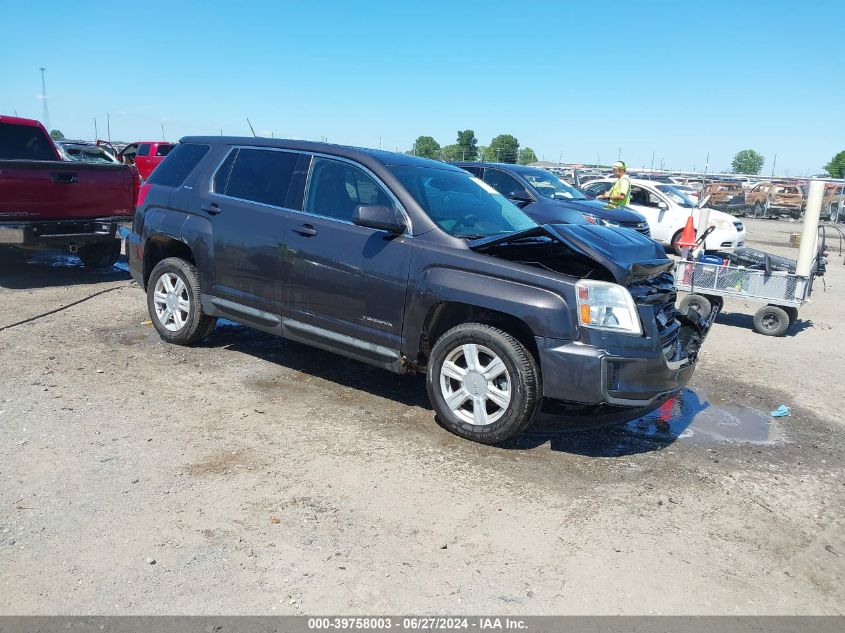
379, 142
651, 169
706, 163
774, 162
96, 134
619, 155
108, 126
163, 137
44, 99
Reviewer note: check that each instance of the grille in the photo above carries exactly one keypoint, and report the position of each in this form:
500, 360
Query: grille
659, 296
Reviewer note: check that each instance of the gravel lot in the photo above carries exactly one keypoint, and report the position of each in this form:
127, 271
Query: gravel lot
255, 475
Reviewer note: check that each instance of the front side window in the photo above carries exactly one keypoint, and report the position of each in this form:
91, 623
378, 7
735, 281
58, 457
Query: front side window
504, 183
336, 188
550, 186
461, 204
258, 175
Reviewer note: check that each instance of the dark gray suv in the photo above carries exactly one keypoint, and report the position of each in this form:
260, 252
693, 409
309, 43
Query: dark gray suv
414, 266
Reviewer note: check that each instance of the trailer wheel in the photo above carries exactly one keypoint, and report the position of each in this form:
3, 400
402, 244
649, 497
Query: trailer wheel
771, 321
699, 303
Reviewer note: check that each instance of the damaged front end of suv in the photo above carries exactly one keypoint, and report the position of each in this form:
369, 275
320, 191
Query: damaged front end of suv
632, 346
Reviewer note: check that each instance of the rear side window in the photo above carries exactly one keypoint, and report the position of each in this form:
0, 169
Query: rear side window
336, 188
163, 149
258, 175
24, 142
144, 149
175, 169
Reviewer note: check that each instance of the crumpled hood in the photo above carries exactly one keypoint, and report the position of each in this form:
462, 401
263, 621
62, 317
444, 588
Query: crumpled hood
627, 255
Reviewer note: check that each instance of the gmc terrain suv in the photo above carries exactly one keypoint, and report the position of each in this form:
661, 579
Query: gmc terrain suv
415, 266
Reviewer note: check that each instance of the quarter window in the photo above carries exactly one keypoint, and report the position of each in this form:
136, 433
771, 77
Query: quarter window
336, 188
176, 168
163, 149
258, 175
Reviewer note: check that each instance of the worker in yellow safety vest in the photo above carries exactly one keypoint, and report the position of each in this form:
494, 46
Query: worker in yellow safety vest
620, 193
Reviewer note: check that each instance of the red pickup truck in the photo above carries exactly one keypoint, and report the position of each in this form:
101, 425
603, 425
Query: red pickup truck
48, 203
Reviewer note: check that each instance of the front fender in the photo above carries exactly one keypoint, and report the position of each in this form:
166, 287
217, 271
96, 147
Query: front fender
545, 311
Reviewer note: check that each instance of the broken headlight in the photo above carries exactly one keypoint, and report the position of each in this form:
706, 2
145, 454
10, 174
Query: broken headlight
607, 306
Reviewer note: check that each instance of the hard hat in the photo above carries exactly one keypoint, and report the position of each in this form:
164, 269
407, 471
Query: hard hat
619, 165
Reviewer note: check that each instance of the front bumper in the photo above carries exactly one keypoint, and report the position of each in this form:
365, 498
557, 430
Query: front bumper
724, 240
610, 369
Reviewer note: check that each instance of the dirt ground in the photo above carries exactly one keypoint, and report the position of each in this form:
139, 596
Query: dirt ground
255, 475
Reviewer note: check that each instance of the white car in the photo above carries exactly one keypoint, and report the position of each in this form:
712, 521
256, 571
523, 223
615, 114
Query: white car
667, 210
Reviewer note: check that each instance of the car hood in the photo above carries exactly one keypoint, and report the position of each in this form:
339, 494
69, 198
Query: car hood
626, 255
596, 207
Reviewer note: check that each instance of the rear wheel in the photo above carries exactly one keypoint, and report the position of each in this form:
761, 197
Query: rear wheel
173, 300
759, 210
771, 321
100, 254
483, 383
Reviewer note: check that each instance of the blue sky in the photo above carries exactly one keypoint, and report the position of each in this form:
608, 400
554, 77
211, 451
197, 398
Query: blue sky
571, 79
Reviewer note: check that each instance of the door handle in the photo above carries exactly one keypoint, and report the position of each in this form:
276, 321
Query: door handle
305, 230
65, 178
212, 208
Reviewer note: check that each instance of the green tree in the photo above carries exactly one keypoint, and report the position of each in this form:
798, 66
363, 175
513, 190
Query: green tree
526, 156
427, 147
747, 161
503, 149
836, 166
56, 135
453, 153
468, 144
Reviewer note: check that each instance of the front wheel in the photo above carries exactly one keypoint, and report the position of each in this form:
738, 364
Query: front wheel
759, 210
483, 383
100, 254
173, 300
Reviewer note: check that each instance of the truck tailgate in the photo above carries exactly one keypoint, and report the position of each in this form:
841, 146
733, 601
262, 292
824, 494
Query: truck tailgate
34, 190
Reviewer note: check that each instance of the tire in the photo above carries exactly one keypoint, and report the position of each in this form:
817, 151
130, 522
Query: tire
771, 321
518, 391
699, 302
759, 210
173, 301
792, 313
676, 248
100, 254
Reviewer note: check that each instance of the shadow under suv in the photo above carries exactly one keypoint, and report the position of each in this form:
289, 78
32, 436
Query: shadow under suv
411, 265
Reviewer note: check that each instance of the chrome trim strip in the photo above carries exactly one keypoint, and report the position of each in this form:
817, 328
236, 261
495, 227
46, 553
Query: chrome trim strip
340, 338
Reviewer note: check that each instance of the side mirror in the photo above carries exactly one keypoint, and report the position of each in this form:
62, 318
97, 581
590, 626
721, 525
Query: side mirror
662, 205
702, 202
520, 196
380, 217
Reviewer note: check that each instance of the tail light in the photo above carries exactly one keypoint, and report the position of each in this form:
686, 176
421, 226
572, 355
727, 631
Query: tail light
143, 190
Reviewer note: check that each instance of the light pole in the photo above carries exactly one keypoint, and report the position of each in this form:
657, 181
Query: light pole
44, 99
108, 126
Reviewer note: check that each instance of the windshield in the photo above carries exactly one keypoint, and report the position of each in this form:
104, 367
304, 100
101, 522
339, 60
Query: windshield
87, 154
461, 204
676, 196
550, 186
